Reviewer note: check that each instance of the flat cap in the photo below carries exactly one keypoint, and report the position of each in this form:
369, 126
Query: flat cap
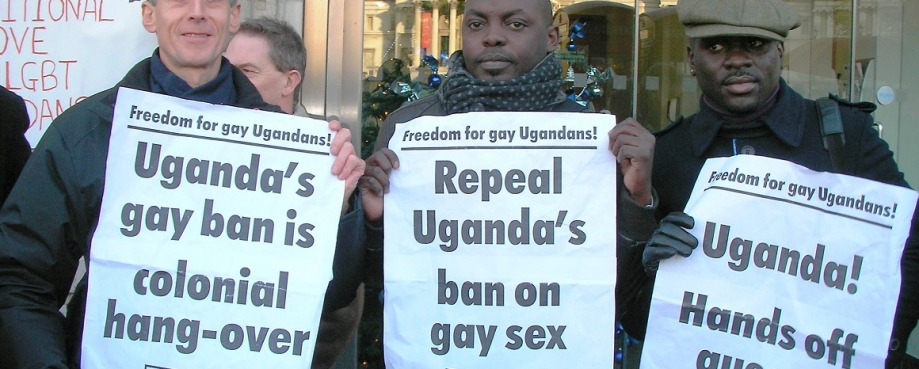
771, 19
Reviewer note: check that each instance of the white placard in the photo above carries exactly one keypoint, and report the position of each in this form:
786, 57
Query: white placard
794, 269
215, 240
55, 53
500, 246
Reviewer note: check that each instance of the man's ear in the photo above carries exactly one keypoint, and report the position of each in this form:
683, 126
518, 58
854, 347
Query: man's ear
781, 46
293, 80
234, 18
553, 38
148, 16
689, 57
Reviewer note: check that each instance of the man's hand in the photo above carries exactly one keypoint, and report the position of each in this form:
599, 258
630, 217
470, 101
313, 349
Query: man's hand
347, 166
669, 239
375, 181
633, 146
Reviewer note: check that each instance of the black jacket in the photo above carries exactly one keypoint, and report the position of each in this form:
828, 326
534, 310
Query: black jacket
14, 148
49, 220
791, 133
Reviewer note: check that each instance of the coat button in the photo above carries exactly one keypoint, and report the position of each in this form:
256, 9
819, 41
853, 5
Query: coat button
748, 150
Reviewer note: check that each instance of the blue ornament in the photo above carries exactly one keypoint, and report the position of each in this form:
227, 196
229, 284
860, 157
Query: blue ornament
431, 62
618, 356
577, 30
571, 46
434, 80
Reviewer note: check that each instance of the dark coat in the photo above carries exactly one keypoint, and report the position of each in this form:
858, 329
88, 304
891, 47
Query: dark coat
49, 220
791, 133
14, 148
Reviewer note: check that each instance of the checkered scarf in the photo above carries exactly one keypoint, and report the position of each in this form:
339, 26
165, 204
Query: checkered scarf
461, 92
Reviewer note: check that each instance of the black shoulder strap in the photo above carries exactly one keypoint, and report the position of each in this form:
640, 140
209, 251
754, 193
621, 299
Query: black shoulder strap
834, 138
866, 107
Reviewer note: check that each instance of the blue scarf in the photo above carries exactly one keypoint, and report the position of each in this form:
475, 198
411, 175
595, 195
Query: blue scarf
219, 90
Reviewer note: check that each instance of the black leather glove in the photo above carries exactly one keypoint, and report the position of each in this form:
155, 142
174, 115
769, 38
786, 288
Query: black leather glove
669, 239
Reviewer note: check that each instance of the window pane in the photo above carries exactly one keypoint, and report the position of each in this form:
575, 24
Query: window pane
666, 90
596, 52
817, 53
290, 11
605, 54
411, 41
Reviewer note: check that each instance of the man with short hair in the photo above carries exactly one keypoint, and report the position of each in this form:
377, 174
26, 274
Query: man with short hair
48, 221
735, 51
271, 53
508, 64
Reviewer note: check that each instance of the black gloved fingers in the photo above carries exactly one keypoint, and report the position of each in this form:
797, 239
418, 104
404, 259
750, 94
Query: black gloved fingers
678, 238
657, 253
679, 218
679, 246
669, 239
652, 256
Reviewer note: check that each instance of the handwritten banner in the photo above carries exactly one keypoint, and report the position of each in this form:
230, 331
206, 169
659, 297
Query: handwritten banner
795, 269
55, 53
215, 240
500, 242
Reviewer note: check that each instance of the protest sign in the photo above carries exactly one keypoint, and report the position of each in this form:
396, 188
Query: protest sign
500, 247
55, 53
215, 239
794, 269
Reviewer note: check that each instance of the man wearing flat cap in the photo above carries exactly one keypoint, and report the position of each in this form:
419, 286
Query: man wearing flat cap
735, 52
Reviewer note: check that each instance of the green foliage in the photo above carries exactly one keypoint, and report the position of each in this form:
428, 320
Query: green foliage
394, 89
383, 100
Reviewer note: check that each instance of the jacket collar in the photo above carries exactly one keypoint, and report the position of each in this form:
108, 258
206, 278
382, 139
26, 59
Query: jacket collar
247, 96
785, 121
